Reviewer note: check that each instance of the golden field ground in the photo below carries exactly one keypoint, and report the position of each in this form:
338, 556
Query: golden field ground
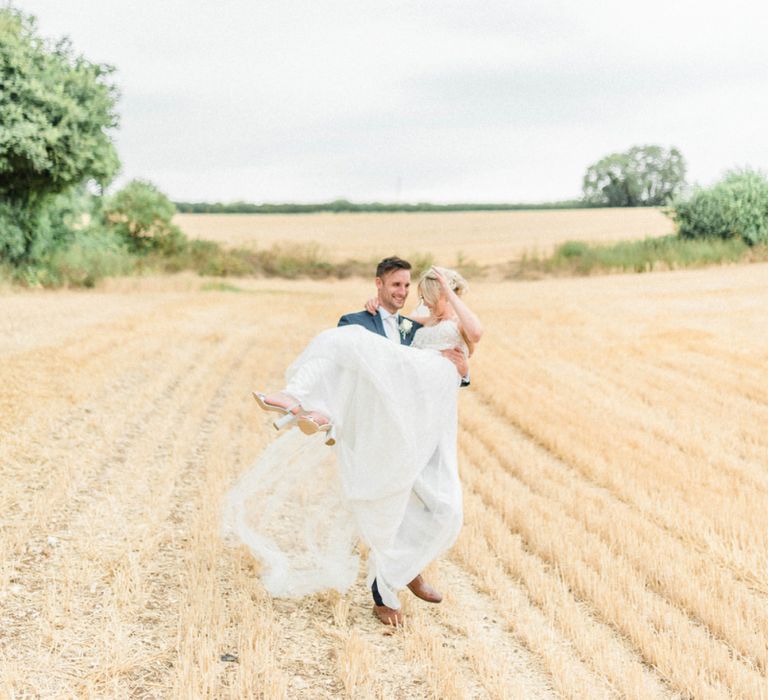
482, 237
613, 451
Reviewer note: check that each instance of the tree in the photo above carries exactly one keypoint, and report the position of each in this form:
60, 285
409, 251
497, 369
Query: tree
642, 176
56, 113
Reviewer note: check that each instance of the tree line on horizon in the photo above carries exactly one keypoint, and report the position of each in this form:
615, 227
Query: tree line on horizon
344, 205
648, 175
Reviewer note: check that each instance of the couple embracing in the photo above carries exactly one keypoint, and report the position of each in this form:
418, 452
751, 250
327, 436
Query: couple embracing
382, 389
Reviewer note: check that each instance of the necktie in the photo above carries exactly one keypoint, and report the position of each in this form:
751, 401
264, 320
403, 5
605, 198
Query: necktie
393, 334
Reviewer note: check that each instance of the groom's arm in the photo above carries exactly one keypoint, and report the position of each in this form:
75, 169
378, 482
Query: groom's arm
349, 320
359, 318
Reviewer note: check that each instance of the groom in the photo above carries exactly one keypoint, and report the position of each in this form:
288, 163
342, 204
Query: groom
393, 281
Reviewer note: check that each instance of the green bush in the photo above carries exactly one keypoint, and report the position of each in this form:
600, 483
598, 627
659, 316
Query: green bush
204, 257
91, 256
736, 207
292, 261
142, 215
29, 235
572, 249
662, 253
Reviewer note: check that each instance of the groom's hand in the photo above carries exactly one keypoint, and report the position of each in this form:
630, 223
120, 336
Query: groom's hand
456, 356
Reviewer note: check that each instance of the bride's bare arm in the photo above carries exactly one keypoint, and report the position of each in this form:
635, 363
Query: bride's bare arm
470, 323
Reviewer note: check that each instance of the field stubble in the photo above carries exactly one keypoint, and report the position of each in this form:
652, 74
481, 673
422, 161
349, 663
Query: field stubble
615, 470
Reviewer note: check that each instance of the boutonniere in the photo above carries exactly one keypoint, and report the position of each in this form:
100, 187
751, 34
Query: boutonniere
405, 327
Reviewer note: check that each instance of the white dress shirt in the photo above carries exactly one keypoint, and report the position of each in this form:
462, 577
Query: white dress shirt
391, 323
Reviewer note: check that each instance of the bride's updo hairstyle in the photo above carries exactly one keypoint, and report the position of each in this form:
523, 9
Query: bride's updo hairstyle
430, 291
429, 287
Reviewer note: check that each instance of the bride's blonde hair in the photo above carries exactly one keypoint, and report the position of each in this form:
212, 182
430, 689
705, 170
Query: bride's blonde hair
429, 287
430, 291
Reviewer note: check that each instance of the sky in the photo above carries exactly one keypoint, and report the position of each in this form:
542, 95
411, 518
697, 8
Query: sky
442, 101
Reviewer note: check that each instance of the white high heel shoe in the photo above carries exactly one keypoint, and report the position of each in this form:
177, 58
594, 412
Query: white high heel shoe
290, 414
309, 426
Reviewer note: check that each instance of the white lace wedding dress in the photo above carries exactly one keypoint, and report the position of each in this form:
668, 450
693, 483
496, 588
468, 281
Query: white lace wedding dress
390, 481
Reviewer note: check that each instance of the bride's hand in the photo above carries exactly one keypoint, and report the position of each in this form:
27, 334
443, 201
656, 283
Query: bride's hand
459, 359
441, 279
372, 306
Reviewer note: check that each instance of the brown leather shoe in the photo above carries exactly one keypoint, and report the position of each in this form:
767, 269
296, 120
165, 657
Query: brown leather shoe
421, 589
388, 616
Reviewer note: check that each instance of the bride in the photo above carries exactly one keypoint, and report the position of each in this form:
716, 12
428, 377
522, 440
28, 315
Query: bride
392, 479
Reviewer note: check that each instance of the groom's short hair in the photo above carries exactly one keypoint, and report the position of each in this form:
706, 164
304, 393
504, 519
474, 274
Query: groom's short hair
389, 264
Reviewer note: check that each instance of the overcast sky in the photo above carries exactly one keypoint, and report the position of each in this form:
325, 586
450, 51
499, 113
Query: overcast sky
440, 100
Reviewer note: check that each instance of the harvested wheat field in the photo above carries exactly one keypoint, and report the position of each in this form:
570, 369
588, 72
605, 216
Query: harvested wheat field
480, 237
614, 457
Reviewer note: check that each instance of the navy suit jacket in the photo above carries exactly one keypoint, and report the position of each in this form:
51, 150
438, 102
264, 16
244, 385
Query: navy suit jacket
375, 324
